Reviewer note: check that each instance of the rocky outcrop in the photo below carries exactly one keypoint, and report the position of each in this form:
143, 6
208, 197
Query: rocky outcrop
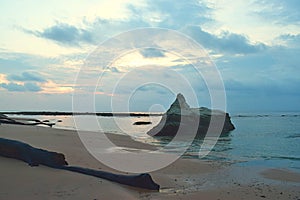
2, 116
192, 119
142, 123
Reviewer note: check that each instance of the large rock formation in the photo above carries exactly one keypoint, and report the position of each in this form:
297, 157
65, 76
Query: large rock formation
191, 120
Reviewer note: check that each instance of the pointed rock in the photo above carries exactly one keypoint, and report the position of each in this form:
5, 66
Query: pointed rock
190, 120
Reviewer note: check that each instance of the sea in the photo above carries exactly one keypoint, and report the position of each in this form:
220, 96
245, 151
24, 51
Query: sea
259, 139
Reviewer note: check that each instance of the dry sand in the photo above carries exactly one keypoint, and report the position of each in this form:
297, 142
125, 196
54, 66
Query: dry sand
184, 179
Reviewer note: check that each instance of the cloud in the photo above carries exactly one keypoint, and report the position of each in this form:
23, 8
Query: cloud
27, 76
152, 53
161, 13
13, 62
26, 82
32, 87
273, 72
230, 43
290, 40
278, 11
114, 70
246, 66
14, 87
64, 34
92, 33
154, 88
172, 14
28, 67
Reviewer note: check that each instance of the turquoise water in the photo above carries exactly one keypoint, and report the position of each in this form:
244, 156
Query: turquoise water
271, 140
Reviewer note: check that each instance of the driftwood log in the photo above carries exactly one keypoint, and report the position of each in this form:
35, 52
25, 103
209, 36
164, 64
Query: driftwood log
34, 157
31, 155
140, 180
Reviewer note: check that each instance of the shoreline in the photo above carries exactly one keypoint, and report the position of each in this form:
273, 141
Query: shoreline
103, 114
183, 179
148, 114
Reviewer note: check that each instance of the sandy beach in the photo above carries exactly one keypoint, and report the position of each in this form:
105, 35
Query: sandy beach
184, 179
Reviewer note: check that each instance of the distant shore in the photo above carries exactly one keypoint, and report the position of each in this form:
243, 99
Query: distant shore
136, 114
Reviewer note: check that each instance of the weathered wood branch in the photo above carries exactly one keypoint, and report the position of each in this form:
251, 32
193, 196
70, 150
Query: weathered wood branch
34, 157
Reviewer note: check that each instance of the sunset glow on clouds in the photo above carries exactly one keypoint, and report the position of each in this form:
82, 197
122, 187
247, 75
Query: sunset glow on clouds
255, 45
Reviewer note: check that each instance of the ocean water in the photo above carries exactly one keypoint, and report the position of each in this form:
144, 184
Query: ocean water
269, 140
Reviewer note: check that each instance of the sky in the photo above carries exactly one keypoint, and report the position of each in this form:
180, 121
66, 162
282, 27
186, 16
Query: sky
255, 46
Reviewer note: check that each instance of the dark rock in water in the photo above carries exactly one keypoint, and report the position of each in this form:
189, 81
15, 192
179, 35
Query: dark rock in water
142, 123
181, 116
2, 116
32, 156
28, 122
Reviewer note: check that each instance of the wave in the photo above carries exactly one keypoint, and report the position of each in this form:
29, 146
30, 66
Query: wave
294, 136
281, 158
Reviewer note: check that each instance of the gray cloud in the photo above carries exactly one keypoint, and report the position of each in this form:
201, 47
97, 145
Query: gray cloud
152, 53
278, 11
170, 14
107, 28
12, 62
267, 87
186, 16
65, 34
290, 39
27, 76
225, 43
154, 88
259, 70
114, 69
32, 87
274, 72
29, 79
14, 87
173, 14
93, 33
